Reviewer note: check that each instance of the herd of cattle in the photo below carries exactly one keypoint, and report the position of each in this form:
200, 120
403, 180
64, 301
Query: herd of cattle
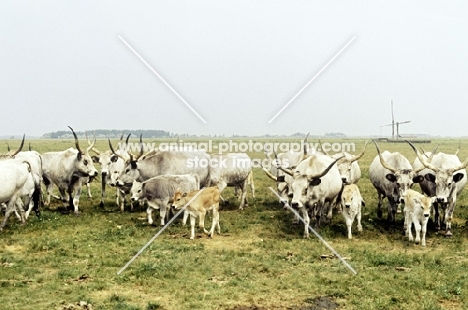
311, 181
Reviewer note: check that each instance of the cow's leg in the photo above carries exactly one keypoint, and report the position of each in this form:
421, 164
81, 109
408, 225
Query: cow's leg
358, 217
423, 231
391, 210
305, 216
201, 223
417, 228
215, 223
163, 210
76, 188
244, 202
379, 205
184, 219
192, 226
103, 188
48, 185
448, 219
436, 216
349, 223
11, 206
88, 188
410, 223
330, 210
149, 212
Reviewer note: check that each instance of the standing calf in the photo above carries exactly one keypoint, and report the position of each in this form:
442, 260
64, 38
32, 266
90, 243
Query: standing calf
417, 211
207, 200
351, 202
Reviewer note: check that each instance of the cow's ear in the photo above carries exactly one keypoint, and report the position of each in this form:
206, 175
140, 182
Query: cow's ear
143, 185
79, 155
457, 177
418, 179
280, 178
391, 177
430, 177
315, 182
95, 158
133, 164
114, 158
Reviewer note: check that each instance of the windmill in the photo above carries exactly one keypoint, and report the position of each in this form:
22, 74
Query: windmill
393, 126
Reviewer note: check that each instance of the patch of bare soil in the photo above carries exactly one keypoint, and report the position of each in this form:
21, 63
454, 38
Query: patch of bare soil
317, 303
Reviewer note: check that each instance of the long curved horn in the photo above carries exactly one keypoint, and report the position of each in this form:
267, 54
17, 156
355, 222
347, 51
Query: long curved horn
421, 159
459, 167
113, 152
382, 160
20, 147
287, 171
456, 153
92, 147
324, 172
322, 149
77, 143
429, 159
357, 157
305, 146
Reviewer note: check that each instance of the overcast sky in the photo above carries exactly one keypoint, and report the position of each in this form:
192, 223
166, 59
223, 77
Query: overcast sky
237, 63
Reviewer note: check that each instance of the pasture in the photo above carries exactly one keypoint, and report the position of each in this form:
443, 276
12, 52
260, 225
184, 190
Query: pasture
260, 260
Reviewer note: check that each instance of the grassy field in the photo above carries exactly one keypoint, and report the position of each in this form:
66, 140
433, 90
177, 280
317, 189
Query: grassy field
260, 260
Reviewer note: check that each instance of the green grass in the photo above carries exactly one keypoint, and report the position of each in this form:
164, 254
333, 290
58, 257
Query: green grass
260, 261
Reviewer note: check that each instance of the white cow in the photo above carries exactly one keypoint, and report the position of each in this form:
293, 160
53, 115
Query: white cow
66, 169
417, 211
351, 203
16, 181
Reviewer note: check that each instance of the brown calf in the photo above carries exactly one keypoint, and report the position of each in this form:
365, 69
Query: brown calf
207, 200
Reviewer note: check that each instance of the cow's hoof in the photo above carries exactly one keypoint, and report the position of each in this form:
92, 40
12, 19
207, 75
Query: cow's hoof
77, 214
65, 212
379, 214
101, 204
448, 234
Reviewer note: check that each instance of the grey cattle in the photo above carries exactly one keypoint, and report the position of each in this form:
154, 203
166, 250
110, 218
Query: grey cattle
66, 169
166, 162
316, 182
444, 177
159, 191
392, 175
231, 169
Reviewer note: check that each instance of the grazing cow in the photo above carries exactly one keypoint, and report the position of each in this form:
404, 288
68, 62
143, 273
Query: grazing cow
231, 169
417, 211
443, 178
66, 169
316, 182
16, 181
392, 175
351, 203
207, 200
160, 190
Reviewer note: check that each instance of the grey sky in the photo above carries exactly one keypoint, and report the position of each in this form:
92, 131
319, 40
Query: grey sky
237, 63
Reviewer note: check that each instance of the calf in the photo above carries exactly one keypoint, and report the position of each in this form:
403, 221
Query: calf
417, 211
159, 191
351, 202
207, 200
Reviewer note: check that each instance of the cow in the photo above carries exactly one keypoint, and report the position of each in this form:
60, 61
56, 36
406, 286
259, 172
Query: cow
205, 200
417, 211
160, 190
166, 162
109, 162
444, 177
351, 203
66, 169
392, 175
231, 169
316, 182
17, 181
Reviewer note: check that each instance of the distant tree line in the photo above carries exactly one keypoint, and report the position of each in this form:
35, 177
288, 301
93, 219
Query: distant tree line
106, 133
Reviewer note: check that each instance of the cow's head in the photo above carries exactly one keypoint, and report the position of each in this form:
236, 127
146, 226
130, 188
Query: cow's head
179, 199
137, 190
424, 203
444, 179
302, 184
345, 164
84, 163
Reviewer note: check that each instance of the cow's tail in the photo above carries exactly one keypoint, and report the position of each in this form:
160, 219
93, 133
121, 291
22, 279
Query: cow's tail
37, 194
